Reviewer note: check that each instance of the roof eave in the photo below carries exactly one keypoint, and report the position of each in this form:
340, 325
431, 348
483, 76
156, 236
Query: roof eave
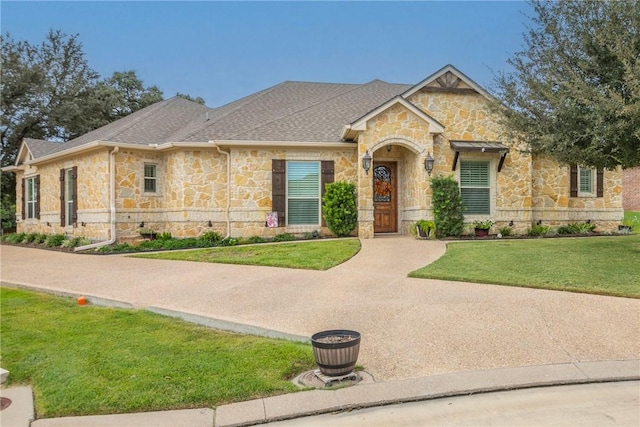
284, 144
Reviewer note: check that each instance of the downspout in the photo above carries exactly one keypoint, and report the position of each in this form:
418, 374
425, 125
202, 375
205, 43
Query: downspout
228, 207
112, 205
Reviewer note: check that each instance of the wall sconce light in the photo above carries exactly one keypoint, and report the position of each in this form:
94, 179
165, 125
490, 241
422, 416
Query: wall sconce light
389, 148
511, 223
48, 224
428, 163
366, 162
141, 224
210, 223
84, 224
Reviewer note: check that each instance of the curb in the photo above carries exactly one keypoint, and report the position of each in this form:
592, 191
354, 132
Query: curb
316, 402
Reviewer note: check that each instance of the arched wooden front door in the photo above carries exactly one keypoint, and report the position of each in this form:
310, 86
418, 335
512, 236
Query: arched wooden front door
385, 197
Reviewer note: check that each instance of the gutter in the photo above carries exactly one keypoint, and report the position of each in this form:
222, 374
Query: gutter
228, 207
112, 205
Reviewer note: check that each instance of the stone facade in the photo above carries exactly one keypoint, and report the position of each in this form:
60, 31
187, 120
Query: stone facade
227, 187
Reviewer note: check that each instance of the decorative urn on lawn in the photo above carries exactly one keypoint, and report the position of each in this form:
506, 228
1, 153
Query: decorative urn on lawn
336, 351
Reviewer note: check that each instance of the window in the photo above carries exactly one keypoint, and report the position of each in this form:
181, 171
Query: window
303, 193
475, 187
68, 196
150, 178
30, 191
586, 181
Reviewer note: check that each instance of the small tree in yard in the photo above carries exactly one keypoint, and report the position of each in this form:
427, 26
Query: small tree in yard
447, 206
339, 207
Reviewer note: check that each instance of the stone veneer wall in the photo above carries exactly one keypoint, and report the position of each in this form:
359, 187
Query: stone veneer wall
553, 205
93, 196
631, 189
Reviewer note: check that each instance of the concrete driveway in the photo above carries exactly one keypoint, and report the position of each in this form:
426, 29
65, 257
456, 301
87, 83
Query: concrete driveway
410, 327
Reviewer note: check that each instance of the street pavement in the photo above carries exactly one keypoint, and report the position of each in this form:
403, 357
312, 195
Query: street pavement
411, 328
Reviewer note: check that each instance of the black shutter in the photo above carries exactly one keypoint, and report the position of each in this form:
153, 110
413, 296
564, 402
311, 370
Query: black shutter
74, 214
38, 197
327, 177
573, 181
600, 183
62, 207
278, 189
24, 198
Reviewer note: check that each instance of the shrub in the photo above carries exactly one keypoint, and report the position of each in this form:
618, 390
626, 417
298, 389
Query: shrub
152, 244
120, 247
539, 230
256, 239
339, 207
189, 242
74, 242
284, 237
315, 234
7, 213
164, 236
29, 238
228, 241
447, 206
40, 238
54, 240
15, 237
210, 238
505, 231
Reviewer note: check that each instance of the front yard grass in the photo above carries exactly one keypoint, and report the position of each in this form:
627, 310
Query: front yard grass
597, 265
83, 360
633, 218
311, 255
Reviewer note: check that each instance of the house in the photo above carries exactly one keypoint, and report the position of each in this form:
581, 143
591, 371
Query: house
258, 166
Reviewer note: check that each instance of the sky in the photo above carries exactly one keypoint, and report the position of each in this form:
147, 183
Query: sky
222, 51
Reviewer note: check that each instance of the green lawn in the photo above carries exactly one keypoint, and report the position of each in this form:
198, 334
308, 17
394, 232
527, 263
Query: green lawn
634, 219
83, 360
598, 265
311, 255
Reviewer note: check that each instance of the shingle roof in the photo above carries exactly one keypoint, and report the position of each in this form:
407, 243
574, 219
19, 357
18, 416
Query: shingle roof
289, 111
39, 147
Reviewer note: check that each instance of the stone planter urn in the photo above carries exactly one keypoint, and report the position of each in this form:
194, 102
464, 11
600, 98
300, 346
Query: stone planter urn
336, 351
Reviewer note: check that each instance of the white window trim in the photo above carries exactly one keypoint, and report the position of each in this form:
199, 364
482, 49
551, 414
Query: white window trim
594, 184
287, 175
493, 167
31, 180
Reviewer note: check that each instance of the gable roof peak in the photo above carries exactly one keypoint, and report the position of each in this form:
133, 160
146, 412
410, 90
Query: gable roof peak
448, 77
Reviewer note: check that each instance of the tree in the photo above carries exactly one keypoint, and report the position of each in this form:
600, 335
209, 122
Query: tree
50, 92
198, 99
575, 90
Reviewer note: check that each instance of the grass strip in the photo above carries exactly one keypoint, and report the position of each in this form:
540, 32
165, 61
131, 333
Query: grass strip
85, 360
310, 255
596, 265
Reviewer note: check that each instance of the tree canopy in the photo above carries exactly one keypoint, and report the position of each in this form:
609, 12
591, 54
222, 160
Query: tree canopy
50, 92
575, 90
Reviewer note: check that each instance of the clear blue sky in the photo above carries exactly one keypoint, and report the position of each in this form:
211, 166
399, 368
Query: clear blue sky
222, 51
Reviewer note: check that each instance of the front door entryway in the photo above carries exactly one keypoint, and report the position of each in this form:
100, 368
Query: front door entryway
385, 198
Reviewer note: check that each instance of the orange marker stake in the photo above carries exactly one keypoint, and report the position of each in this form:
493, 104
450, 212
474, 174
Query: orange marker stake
82, 300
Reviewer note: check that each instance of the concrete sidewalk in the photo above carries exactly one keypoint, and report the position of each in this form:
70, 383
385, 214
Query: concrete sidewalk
412, 329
